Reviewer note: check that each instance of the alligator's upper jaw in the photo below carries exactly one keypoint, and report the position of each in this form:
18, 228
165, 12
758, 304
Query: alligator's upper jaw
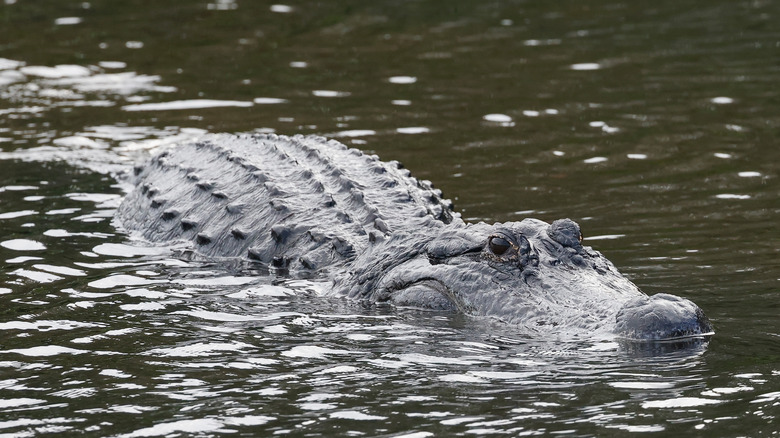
661, 317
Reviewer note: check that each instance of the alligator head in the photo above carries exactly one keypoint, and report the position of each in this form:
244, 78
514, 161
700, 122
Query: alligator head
532, 274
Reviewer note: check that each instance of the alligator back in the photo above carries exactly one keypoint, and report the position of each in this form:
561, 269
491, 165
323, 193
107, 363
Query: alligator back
290, 202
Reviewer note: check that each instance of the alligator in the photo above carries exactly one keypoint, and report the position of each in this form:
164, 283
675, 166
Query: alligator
305, 206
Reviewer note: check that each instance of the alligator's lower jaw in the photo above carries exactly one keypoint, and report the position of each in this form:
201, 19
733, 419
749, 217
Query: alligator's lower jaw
661, 317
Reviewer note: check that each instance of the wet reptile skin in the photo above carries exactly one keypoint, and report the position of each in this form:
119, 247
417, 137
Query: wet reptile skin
307, 206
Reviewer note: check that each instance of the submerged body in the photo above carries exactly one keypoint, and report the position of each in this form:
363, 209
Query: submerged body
312, 207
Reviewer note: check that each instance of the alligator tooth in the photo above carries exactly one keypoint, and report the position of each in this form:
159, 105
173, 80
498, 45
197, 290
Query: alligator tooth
205, 185
157, 202
238, 234
219, 195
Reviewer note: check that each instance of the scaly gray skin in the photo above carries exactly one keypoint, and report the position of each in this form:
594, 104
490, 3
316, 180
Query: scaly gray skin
311, 207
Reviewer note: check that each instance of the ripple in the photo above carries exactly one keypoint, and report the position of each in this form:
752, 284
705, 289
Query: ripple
39, 277
281, 9
45, 351
269, 100
46, 325
200, 349
732, 196
354, 133
498, 118
680, 402
59, 71
314, 352
62, 270
330, 93
112, 64
402, 79
586, 66
413, 130
23, 245
595, 160
355, 415
17, 188
187, 105
122, 280
19, 402
15, 214
722, 100
67, 21
197, 426
123, 250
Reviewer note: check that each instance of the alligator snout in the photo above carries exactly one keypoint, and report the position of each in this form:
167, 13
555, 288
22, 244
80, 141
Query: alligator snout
661, 317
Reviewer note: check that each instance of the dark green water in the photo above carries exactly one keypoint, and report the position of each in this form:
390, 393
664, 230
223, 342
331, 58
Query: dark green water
655, 126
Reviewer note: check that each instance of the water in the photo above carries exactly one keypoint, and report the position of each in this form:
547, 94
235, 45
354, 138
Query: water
655, 127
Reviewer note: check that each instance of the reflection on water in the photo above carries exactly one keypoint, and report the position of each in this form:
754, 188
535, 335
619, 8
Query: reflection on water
652, 126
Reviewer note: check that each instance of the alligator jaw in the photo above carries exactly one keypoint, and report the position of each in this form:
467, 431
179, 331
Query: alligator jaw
427, 294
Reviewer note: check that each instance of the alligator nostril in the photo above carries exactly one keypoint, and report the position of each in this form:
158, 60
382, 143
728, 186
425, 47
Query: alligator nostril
661, 317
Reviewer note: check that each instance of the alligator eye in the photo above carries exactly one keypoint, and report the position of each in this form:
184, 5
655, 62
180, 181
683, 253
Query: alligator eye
498, 245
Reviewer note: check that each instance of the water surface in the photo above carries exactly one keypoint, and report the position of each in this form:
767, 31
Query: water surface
655, 127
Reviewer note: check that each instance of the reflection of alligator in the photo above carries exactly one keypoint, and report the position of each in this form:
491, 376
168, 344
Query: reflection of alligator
311, 207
